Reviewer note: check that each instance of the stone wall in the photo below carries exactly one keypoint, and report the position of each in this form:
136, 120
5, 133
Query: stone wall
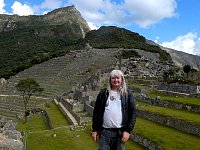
74, 109
77, 95
176, 87
145, 142
71, 105
10, 138
170, 104
171, 122
89, 108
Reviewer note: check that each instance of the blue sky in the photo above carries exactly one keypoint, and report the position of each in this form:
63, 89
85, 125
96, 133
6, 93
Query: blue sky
170, 23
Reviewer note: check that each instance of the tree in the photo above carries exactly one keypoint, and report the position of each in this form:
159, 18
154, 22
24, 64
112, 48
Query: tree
165, 76
187, 69
27, 87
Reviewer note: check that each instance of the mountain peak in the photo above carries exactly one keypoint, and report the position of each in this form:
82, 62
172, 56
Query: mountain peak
68, 9
68, 15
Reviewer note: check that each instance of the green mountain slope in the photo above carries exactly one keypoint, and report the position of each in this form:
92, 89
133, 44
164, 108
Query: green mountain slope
114, 37
29, 40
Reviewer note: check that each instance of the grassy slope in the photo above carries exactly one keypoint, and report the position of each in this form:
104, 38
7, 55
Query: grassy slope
180, 99
40, 138
67, 140
191, 117
168, 138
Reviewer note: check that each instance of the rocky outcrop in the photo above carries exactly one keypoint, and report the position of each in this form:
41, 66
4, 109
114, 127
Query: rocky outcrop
67, 15
10, 138
181, 59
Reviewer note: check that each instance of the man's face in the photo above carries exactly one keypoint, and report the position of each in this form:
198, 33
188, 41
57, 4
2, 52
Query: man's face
116, 81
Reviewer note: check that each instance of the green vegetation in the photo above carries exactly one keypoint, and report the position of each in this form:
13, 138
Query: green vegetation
12, 106
138, 86
13, 100
38, 137
114, 37
33, 43
35, 123
129, 53
63, 138
178, 99
187, 69
169, 112
66, 139
168, 138
56, 116
27, 87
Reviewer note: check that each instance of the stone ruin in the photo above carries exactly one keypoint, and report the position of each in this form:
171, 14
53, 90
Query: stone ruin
3, 81
180, 88
10, 138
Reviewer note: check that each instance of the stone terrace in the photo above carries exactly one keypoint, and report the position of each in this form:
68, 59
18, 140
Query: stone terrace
57, 75
12, 107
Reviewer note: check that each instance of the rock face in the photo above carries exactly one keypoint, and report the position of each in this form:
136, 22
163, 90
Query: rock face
67, 15
180, 58
10, 138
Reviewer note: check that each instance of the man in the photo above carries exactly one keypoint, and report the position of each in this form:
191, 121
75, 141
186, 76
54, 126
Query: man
114, 114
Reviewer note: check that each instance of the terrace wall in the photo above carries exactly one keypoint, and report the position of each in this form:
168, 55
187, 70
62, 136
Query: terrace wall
171, 122
170, 104
180, 88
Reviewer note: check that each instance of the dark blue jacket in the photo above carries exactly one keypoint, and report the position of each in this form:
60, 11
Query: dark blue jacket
128, 111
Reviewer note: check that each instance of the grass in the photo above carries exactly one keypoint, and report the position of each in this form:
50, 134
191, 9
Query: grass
191, 117
180, 99
138, 86
34, 123
168, 138
66, 139
57, 119
146, 80
38, 137
14, 105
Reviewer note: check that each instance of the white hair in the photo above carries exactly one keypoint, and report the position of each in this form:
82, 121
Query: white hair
118, 73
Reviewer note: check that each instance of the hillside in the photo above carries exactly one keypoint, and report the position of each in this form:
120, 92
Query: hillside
60, 74
115, 37
29, 40
181, 59
71, 63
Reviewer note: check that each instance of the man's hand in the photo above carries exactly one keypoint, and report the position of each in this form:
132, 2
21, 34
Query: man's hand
125, 136
95, 136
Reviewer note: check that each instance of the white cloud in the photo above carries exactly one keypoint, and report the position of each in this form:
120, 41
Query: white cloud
2, 5
92, 26
47, 6
51, 4
107, 12
157, 38
146, 13
141, 12
21, 9
189, 43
